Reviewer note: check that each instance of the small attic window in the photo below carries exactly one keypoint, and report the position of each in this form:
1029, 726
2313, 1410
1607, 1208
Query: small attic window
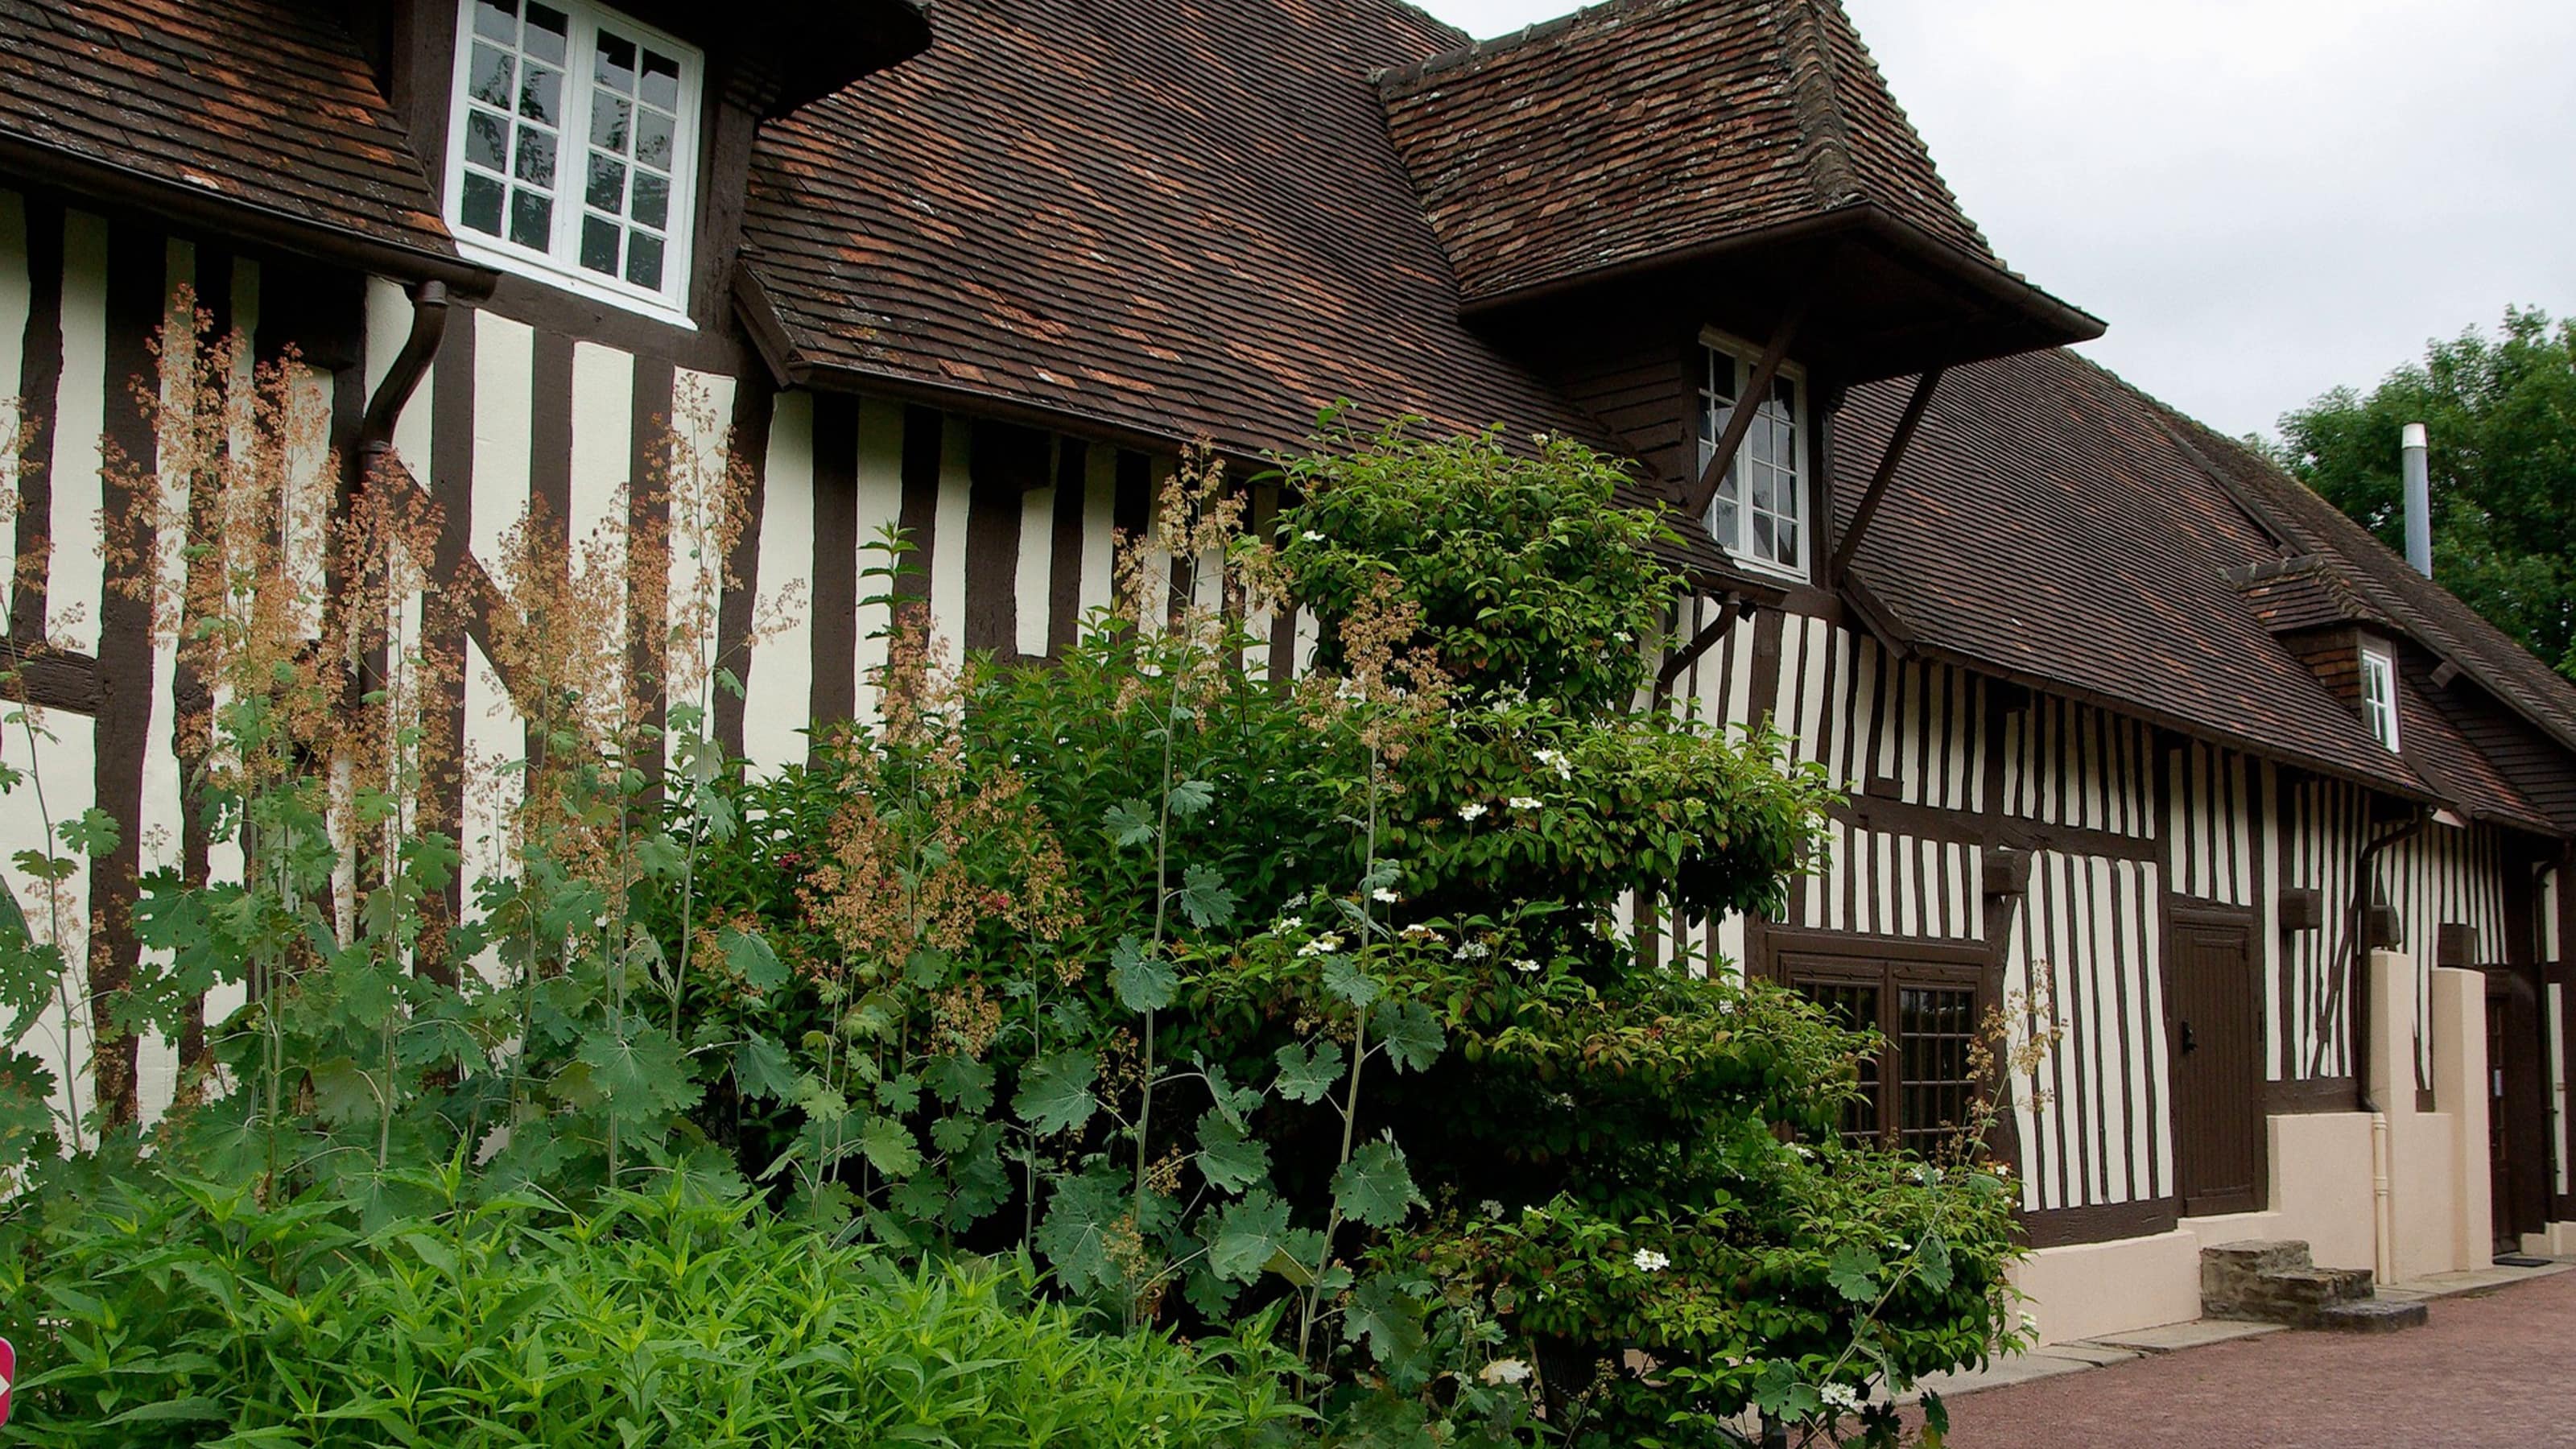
572, 150
1759, 511
2379, 694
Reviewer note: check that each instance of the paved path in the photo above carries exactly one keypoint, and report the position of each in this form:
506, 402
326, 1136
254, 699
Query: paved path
2494, 1369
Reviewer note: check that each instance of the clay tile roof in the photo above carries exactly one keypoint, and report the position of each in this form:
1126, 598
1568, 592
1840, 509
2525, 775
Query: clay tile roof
2419, 607
1181, 220
1644, 128
2306, 592
264, 104
2046, 524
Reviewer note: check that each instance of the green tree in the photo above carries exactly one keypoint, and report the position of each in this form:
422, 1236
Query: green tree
2502, 414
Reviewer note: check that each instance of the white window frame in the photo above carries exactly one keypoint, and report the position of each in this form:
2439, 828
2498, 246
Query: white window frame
2379, 694
559, 264
1738, 541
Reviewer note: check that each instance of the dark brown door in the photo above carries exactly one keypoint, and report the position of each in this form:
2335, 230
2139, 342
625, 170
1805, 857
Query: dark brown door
2216, 1039
2502, 1188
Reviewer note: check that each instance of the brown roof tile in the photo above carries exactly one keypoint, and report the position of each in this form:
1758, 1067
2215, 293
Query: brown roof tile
2045, 523
1181, 220
1644, 128
262, 103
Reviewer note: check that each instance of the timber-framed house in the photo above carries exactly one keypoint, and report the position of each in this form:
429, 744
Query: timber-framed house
2127, 719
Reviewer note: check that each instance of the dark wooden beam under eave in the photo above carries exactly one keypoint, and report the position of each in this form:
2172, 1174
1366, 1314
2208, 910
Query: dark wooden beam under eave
1740, 421
1888, 461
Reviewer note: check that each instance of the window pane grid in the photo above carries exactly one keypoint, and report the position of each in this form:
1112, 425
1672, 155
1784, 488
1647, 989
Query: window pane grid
1758, 507
1935, 1026
1854, 1006
514, 116
573, 139
2379, 697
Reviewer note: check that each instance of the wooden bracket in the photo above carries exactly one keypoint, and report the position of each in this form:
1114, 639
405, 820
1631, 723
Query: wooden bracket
2301, 908
1749, 403
2007, 872
1897, 443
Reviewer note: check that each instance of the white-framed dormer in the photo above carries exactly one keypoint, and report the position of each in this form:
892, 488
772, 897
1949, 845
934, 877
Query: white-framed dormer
1760, 513
573, 150
2379, 692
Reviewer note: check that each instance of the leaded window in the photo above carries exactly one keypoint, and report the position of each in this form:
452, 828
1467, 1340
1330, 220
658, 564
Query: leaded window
1920, 1086
2379, 695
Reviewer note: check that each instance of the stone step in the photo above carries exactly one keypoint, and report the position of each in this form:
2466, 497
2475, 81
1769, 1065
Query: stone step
2372, 1315
2258, 1255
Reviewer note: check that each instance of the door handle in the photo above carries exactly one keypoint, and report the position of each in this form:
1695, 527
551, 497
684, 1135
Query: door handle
2190, 1043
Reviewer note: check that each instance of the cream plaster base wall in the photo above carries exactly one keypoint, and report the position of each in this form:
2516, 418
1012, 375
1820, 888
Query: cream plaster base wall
2558, 1241
2324, 1182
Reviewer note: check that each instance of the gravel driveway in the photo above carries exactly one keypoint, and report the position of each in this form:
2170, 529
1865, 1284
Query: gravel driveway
2496, 1369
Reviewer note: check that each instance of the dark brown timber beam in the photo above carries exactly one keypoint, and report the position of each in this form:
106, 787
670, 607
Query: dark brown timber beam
1897, 443
1740, 422
1733, 607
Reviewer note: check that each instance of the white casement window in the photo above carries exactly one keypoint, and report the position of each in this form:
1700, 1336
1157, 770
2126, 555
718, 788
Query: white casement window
2379, 695
572, 148
1759, 513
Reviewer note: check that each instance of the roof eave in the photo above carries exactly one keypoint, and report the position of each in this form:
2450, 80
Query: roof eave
123, 188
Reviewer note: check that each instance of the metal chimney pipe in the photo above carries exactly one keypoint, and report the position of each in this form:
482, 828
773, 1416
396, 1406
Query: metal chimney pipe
2415, 462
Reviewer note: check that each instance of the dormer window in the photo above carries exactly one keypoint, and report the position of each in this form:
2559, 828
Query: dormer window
572, 149
1759, 512
2379, 694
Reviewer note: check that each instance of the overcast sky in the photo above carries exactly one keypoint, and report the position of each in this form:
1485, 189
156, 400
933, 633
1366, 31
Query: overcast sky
2263, 198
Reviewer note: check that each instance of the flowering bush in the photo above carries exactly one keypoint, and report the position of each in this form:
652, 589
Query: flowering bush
1216, 996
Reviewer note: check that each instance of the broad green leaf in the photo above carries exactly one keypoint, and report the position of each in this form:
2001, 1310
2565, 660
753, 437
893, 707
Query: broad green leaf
1055, 1093
960, 1081
1409, 1034
1351, 982
1204, 897
890, 1147
1248, 1232
1228, 1159
762, 1068
1129, 824
1375, 1187
1191, 797
92, 833
1381, 1312
1143, 983
1307, 1074
1853, 1272
643, 1073
752, 960
1081, 1218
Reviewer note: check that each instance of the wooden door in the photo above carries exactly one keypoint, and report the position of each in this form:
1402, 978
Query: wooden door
2215, 1037
2502, 1189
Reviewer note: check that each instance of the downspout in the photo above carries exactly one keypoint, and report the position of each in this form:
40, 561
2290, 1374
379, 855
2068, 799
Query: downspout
373, 445
428, 329
2383, 1203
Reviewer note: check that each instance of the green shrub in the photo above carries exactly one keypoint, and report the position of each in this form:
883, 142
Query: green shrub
168, 1312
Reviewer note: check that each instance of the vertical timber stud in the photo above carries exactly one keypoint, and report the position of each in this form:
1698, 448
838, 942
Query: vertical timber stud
1888, 461
738, 612
137, 276
1740, 421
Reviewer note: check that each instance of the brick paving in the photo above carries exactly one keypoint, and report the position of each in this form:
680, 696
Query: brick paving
2495, 1369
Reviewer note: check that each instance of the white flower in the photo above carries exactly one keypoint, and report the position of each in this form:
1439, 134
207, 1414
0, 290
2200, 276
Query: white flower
1470, 950
1525, 966
1494, 1209
1523, 802
1839, 1396
1471, 812
1650, 1261
1323, 945
1504, 1371
1623, 636
1556, 759
1311, 536
1417, 931
1287, 924
1383, 893
1803, 1150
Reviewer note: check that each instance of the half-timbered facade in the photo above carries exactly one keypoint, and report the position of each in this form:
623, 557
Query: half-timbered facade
2134, 731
